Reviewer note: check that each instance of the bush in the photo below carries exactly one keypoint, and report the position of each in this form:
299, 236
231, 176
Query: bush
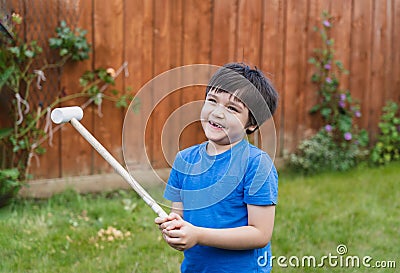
387, 147
321, 153
9, 185
340, 144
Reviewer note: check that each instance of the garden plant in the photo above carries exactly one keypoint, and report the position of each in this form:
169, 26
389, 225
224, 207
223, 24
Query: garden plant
339, 145
22, 71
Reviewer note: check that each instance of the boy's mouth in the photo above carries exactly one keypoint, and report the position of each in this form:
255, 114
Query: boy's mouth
215, 125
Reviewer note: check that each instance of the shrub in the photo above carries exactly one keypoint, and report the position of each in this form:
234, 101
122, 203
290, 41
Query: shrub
387, 147
322, 153
339, 141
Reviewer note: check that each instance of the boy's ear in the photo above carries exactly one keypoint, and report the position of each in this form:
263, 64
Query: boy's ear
251, 128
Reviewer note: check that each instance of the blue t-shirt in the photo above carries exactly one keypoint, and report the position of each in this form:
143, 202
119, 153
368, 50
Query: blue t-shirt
215, 191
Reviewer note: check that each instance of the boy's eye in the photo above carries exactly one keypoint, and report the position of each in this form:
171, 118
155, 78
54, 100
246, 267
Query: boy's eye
234, 109
211, 100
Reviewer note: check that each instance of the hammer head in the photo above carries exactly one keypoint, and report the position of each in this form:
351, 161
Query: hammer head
65, 114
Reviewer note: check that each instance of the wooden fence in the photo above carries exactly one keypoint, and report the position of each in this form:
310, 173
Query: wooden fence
277, 36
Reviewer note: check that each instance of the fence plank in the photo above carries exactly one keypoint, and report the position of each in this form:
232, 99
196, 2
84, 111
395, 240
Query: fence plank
224, 28
272, 58
312, 123
395, 54
249, 32
76, 152
341, 33
295, 61
361, 56
167, 55
138, 47
39, 30
109, 52
389, 83
379, 47
196, 50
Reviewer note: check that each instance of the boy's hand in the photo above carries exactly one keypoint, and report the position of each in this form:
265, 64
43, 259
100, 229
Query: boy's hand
178, 233
163, 222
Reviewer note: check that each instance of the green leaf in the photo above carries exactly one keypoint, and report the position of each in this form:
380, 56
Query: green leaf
29, 53
15, 50
5, 132
63, 52
40, 150
325, 112
315, 78
83, 82
5, 76
315, 109
312, 61
9, 173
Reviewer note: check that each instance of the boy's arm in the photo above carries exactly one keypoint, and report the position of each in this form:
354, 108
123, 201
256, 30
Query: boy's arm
182, 235
177, 207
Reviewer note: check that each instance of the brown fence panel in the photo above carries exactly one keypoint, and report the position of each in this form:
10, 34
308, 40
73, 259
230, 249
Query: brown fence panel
274, 35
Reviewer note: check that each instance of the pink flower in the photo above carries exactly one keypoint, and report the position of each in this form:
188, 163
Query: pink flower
342, 97
327, 66
357, 114
328, 128
328, 80
327, 23
347, 136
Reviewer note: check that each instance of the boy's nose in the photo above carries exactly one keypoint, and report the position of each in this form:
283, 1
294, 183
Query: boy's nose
218, 111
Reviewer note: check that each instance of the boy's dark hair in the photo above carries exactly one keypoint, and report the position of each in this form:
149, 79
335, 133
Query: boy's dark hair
250, 86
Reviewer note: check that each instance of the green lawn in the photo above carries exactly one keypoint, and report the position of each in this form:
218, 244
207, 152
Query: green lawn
114, 232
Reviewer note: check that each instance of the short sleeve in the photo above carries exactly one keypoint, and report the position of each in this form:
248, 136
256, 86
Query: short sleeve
261, 181
173, 188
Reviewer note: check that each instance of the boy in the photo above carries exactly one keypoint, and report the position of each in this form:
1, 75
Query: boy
224, 191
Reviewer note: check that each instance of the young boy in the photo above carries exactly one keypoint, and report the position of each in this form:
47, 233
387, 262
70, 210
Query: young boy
224, 191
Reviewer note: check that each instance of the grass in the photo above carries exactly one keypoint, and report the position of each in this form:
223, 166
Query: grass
359, 209
62, 235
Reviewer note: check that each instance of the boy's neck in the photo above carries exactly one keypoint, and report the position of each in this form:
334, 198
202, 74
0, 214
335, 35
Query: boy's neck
216, 149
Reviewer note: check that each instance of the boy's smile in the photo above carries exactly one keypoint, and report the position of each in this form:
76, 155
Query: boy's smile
224, 118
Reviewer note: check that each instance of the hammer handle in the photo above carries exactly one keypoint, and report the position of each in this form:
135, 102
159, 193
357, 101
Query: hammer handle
118, 168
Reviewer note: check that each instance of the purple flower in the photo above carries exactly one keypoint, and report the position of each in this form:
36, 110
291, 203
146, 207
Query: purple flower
328, 80
347, 136
327, 23
327, 66
357, 114
328, 128
342, 104
342, 97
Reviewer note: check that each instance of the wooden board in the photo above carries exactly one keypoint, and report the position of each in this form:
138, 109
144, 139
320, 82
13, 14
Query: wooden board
167, 55
76, 153
138, 26
360, 68
196, 50
109, 53
295, 62
272, 58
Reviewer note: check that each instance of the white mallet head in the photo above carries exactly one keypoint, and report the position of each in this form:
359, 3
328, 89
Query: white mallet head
65, 114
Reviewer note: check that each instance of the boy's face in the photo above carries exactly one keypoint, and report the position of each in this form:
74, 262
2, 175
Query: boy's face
224, 118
